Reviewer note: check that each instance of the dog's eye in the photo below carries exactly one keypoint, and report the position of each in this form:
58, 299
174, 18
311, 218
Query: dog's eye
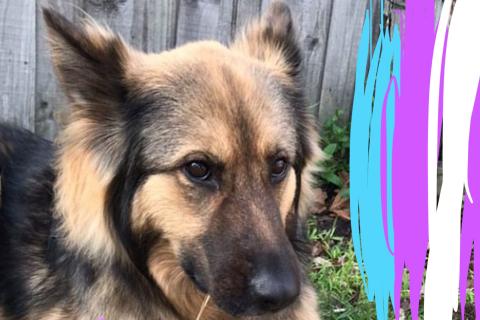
197, 170
279, 169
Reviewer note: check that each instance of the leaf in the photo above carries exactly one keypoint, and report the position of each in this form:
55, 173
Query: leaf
340, 206
333, 179
330, 149
344, 192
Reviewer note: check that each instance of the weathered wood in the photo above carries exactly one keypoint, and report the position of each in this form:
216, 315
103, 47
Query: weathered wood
120, 16
159, 27
328, 33
17, 62
197, 20
147, 25
376, 14
246, 11
50, 103
341, 58
314, 26
226, 21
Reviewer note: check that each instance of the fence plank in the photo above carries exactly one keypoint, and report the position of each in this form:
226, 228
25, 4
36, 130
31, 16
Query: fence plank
339, 75
17, 62
226, 21
147, 25
197, 20
160, 25
328, 32
314, 32
49, 100
246, 11
376, 15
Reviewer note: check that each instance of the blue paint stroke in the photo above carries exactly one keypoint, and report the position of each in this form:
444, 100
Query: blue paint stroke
374, 95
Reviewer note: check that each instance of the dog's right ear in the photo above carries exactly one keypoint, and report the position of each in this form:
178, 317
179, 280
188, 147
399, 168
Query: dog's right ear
89, 61
272, 40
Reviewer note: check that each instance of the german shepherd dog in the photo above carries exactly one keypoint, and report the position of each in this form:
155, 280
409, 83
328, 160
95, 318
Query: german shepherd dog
178, 187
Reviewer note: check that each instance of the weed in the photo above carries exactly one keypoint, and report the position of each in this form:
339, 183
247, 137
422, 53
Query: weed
335, 143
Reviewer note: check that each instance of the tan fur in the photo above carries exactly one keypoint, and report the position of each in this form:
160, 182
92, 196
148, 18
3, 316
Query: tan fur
287, 195
54, 314
307, 195
249, 42
80, 194
159, 203
252, 41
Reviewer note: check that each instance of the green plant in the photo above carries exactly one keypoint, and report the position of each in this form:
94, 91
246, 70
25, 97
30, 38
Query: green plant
335, 141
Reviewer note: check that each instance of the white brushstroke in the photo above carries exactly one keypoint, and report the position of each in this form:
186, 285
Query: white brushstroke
461, 76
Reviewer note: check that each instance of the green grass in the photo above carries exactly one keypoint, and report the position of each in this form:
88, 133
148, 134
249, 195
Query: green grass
335, 272
339, 285
337, 278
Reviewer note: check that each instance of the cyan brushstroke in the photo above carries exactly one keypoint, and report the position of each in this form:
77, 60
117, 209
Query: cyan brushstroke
373, 94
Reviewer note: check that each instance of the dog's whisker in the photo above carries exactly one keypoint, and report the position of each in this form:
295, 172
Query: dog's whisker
203, 307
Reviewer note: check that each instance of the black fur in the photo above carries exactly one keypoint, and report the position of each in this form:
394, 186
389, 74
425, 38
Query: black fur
31, 243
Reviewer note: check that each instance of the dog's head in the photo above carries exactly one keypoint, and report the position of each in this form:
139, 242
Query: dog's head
194, 156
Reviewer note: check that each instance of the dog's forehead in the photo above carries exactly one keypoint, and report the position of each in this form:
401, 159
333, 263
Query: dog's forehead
212, 100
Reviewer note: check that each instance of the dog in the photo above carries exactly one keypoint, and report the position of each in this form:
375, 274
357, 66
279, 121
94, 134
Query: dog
179, 186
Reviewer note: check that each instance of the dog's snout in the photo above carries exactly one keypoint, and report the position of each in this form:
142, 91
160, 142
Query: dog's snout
275, 288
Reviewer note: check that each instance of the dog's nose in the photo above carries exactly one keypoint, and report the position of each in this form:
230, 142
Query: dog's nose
273, 290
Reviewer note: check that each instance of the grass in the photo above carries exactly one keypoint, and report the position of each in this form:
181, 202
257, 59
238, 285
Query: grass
335, 272
336, 277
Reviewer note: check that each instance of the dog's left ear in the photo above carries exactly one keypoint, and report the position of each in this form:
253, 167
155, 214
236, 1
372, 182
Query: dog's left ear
89, 61
272, 40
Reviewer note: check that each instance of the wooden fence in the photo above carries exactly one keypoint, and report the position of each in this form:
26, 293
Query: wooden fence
329, 32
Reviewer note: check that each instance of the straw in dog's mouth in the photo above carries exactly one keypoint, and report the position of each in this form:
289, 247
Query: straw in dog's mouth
203, 307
